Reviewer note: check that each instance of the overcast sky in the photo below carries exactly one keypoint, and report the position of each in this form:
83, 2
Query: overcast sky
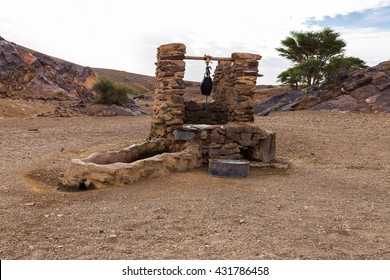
124, 35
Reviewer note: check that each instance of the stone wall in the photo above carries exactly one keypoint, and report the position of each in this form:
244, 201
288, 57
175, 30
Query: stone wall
223, 90
195, 113
230, 141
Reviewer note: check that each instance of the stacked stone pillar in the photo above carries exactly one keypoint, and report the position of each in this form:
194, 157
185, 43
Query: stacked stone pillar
223, 90
245, 71
168, 101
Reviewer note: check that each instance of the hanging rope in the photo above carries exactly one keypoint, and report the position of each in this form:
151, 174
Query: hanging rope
206, 86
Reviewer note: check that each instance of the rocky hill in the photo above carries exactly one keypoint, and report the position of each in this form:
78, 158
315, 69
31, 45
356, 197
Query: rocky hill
142, 83
35, 84
30, 74
359, 90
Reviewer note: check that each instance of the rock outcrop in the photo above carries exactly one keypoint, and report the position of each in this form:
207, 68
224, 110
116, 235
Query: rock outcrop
30, 74
359, 90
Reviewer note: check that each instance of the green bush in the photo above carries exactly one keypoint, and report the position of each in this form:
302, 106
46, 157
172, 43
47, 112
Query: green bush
111, 92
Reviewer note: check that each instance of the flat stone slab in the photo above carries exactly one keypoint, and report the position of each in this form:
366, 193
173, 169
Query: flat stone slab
229, 168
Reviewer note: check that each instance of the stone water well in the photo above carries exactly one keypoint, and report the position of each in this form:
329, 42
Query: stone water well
182, 136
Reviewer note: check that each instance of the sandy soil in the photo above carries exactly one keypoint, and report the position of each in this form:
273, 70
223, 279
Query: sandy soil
332, 203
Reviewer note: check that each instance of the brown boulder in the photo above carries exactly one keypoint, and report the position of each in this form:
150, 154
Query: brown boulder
364, 92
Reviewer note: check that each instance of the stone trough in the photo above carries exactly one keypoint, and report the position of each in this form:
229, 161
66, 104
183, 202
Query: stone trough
146, 160
179, 139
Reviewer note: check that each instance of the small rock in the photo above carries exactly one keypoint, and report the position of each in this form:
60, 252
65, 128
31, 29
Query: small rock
113, 236
30, 204
46, 215
60, 215
242, 221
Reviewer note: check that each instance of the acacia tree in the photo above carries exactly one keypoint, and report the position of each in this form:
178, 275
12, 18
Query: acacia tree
314, 54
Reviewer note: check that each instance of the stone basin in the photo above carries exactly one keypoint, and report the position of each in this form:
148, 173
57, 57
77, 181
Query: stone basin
146, 160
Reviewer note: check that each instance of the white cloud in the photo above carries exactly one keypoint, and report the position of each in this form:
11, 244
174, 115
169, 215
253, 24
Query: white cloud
125, 34
370, 44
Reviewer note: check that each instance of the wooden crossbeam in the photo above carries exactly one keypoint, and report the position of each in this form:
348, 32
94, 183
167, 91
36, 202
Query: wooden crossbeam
207, 57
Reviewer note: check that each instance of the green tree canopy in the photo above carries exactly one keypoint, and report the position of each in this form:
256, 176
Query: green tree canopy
315, 55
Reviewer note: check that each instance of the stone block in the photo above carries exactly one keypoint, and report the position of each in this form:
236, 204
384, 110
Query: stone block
246, 141
174, 121
176, 99
215, 137
204, 135
214, 153
229, 168
165, 74
245, 56
230, 146
221, 130
211, 146
172, 47
172, 68
180, 135
232, 136
256, 137
265, 150
178, 92
167, 63
193, 106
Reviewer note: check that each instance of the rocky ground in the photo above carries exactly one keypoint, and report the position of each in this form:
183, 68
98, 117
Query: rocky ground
332, 203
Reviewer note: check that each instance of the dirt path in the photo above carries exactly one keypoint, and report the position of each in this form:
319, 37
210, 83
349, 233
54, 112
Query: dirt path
332, 203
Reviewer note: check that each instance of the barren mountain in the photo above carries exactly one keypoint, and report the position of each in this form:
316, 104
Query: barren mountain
35, 84
30, 74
